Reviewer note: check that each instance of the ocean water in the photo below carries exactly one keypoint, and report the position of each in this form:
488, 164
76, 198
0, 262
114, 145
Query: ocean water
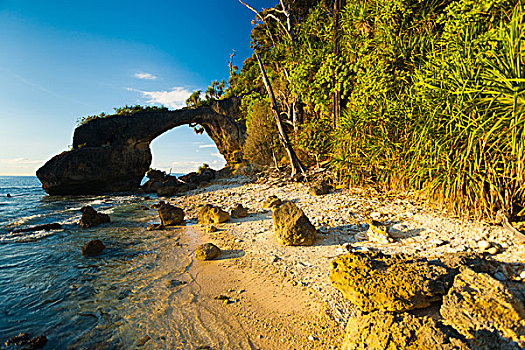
46, 286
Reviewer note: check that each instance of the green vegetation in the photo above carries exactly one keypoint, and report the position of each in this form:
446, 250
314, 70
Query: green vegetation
431, 94
125, 111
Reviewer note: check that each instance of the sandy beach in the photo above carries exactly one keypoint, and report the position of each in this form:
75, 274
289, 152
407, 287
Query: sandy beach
275, 296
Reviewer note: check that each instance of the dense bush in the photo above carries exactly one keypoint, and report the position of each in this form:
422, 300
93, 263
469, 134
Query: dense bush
431, 94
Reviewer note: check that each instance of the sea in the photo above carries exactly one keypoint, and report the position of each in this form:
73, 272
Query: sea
116, 300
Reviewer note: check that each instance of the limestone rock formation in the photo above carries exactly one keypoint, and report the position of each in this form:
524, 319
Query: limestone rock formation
210, 214
479, 302
207, 251
170, 215
374, 281
93, 248
24, 341
381, 330
239, 211
291, 226
112, 154
90, 217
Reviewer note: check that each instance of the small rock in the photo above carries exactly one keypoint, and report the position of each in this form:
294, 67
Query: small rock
91, 218
170, 215
493, 250
271, 202
378, 233
239, 211
207, 251
44, 227
175, 283
210, 214
211, 229
93, 248
320, 189
24, 340
155, 227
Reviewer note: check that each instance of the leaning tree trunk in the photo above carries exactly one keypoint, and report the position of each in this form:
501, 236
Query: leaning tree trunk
295, 163
338, 5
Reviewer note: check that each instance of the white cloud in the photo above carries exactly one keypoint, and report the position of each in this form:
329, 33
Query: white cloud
145, 76
207, 146
19, 166
175, 98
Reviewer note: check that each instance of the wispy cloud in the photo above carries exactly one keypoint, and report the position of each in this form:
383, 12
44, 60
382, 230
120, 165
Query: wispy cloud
21, 161
145, 76
207, 146
19, 166
175, 98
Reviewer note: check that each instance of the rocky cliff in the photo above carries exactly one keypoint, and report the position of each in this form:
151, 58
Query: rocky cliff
112, 154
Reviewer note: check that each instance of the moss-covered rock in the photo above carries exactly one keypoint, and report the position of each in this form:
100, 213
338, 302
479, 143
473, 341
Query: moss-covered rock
210, 214
291, 226
381, 330
207, 251
375, 281
170, 215
478, 302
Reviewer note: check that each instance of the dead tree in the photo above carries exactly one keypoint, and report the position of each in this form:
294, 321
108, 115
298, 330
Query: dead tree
295, 163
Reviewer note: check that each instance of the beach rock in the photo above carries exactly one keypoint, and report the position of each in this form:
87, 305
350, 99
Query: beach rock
91, 218
478, 302
320, 189
211, 229
271, 202
378, 233
291, 226
170, 215
112, 154
44, 227
210, 214
155, 227
239, 211
207, 251
24, 340
375, 281
381, 330
93, 248
8, 195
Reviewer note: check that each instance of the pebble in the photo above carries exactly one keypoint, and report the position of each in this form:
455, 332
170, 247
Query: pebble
375, 215
484, 245
493, 250
522, 274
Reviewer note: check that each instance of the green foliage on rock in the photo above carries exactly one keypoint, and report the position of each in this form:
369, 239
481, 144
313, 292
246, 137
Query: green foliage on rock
125, 111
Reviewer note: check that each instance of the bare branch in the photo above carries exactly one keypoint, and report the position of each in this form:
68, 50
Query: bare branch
253, 10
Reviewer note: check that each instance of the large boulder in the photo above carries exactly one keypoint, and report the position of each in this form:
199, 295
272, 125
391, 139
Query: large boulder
210, 214
91, 218
381, 330
477, 302
170, 215
291, 226
207, 251
93, 248
320, 189
375, 281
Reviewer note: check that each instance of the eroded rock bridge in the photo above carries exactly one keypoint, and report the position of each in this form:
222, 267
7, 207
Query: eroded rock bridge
112, 154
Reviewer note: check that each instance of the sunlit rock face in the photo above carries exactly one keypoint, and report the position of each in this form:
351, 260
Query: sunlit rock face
112, 154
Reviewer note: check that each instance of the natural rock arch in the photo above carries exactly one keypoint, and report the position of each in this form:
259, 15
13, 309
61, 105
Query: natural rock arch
112, 154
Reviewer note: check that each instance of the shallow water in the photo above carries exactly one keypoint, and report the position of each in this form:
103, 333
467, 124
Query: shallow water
46, 285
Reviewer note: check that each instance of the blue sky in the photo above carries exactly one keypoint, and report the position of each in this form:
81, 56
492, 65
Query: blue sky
60, 60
